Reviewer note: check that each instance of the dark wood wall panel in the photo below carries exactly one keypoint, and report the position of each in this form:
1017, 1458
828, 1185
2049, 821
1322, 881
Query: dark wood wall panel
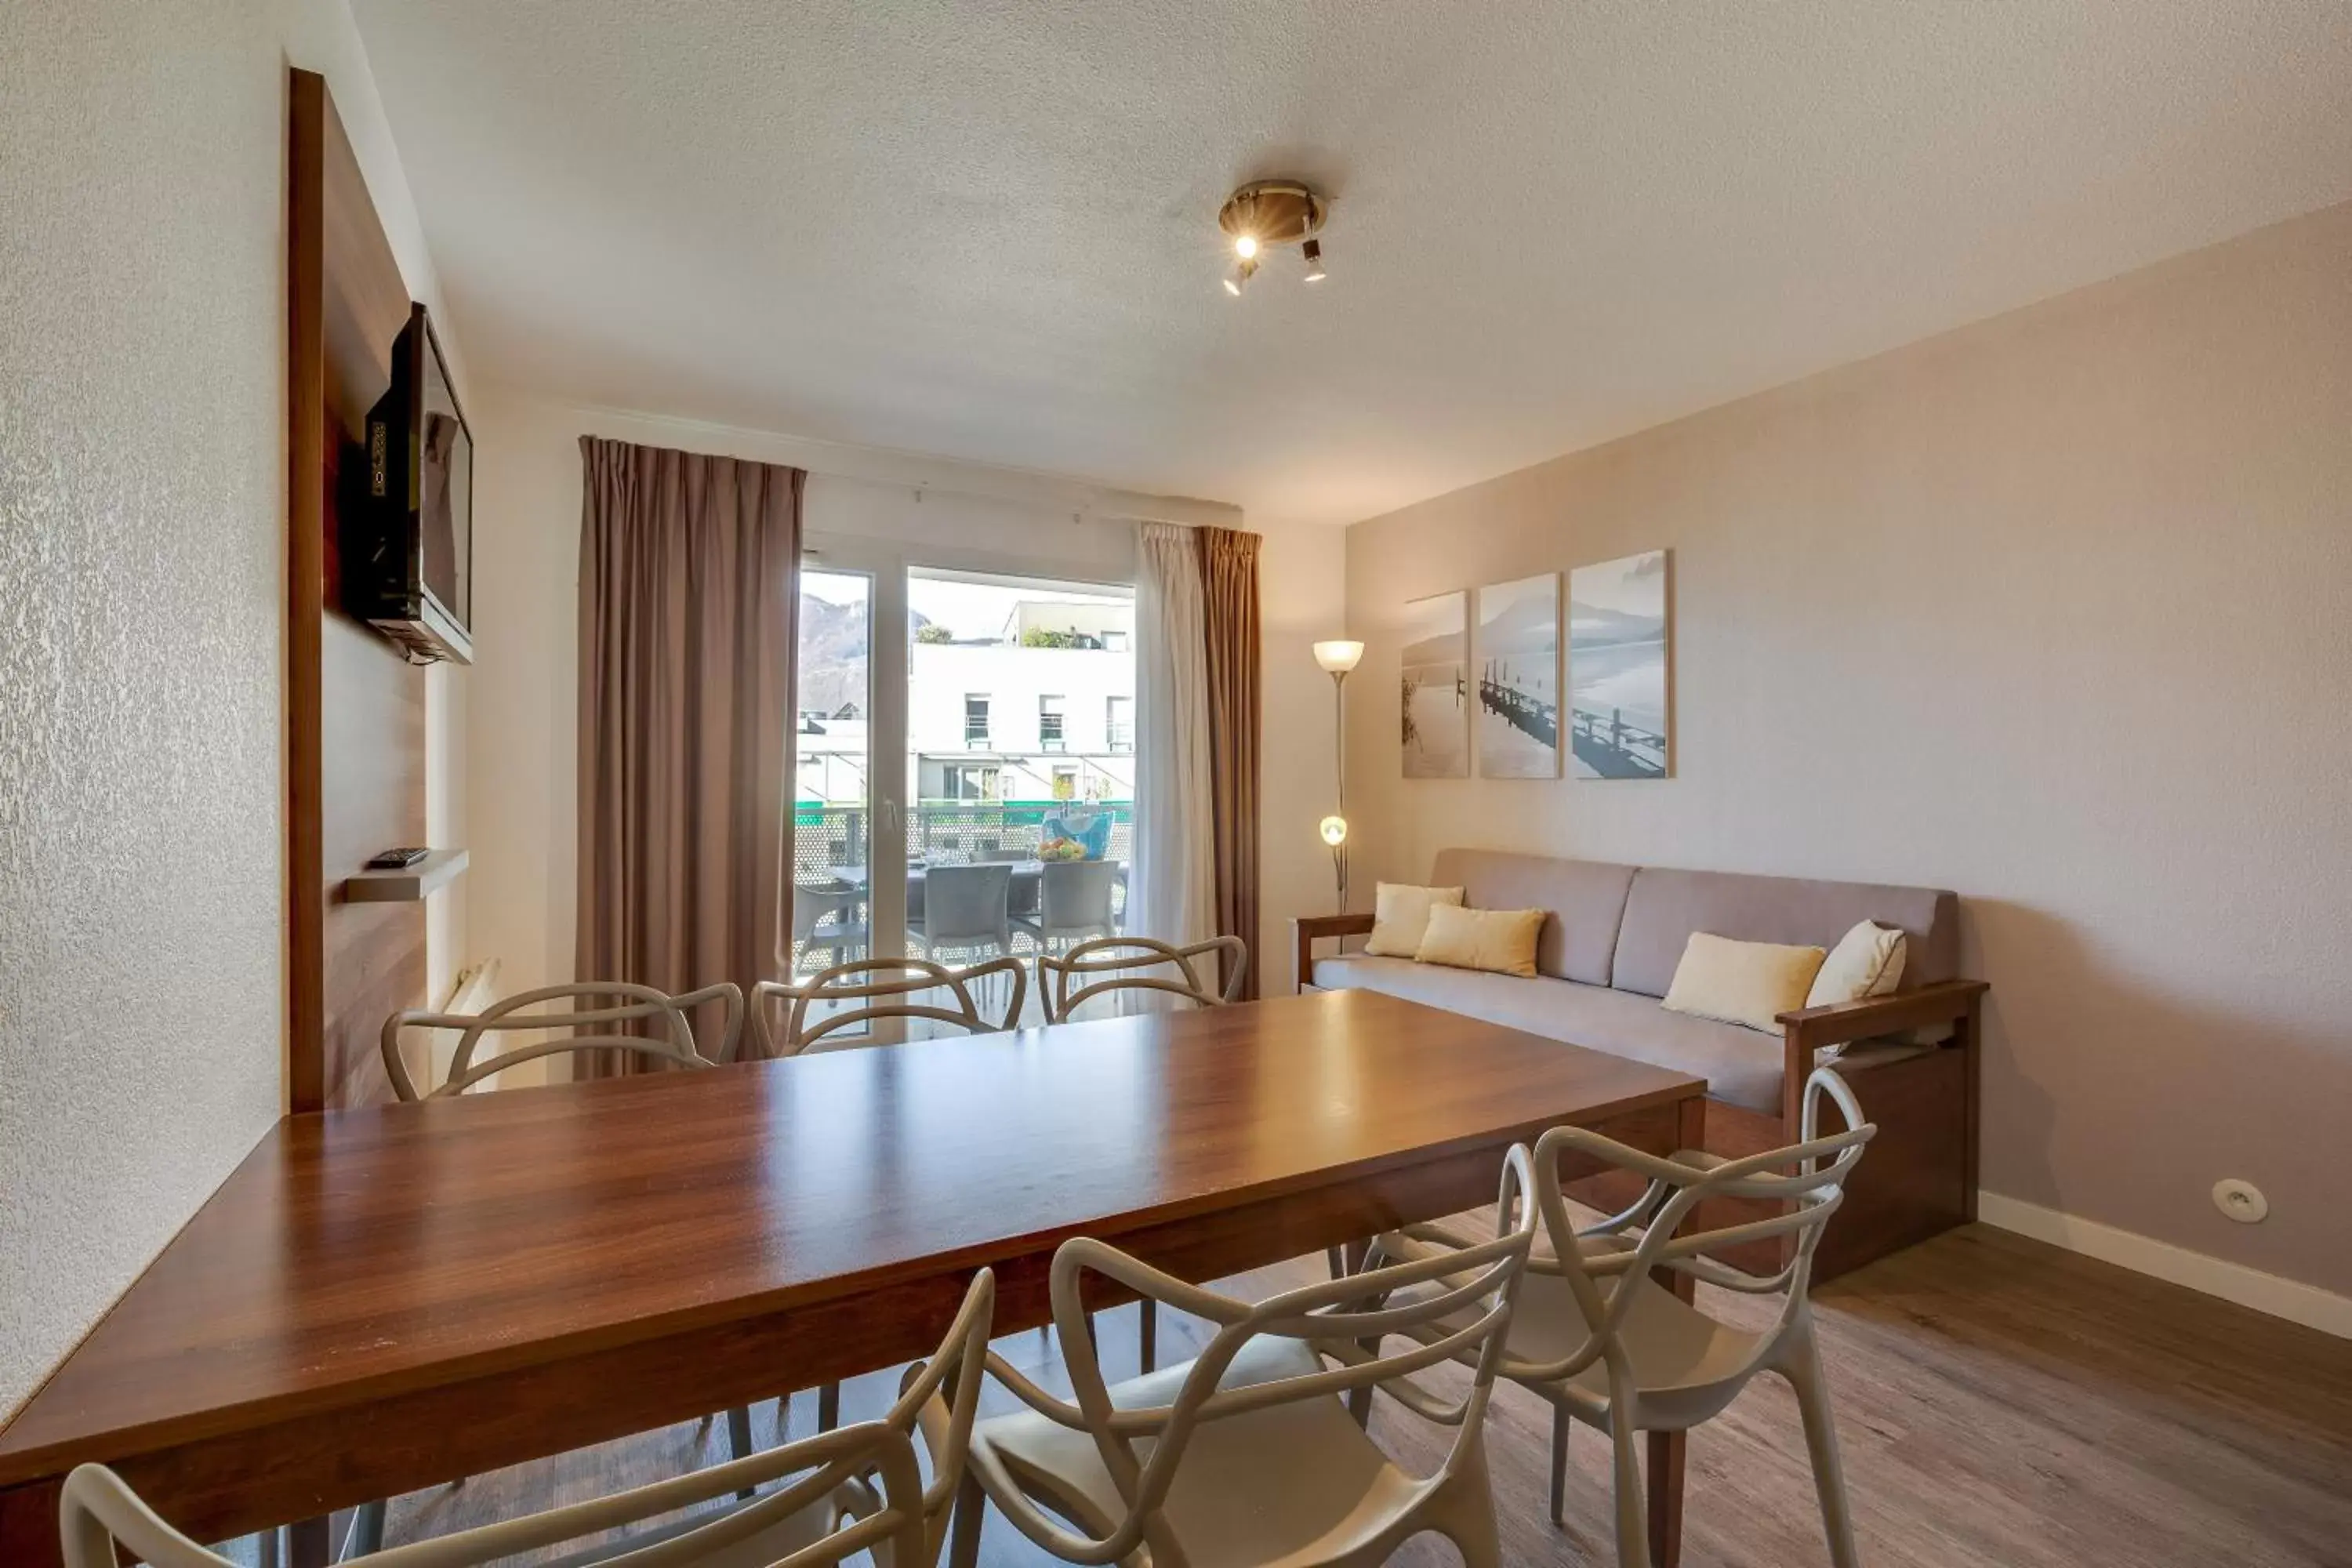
356, 732
374, 773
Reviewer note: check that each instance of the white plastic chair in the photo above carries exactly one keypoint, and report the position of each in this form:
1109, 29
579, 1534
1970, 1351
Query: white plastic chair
673, 1045
877, 988
1247, 1455
966, 909
1130, 964
863, 1477
1073, 902
1599, 1339
793, 1524
824, 920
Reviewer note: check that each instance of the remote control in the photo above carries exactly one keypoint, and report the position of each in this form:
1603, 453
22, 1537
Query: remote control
395, 859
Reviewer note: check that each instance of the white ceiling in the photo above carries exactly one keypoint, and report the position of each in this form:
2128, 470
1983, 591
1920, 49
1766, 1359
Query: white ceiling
987, 230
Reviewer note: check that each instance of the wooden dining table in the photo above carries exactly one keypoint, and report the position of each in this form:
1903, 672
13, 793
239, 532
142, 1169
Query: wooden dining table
386, 1298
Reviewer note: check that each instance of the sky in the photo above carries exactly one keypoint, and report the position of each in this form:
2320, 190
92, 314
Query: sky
967, 609
1632, 584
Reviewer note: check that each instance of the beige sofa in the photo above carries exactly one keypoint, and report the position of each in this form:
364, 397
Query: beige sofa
1608, 951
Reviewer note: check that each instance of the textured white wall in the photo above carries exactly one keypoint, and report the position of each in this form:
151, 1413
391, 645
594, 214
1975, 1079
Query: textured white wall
141, 607
2054, 610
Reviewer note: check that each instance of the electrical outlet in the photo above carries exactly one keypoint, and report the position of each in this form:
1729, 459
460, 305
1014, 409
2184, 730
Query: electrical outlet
2242, 1201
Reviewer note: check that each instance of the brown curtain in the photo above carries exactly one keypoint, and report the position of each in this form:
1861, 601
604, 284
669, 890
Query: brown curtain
690, 575
1229, 584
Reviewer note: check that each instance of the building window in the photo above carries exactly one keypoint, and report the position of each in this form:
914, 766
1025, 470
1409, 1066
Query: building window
1049, 724
1066, 781
1119, 724
968, 783
975, 721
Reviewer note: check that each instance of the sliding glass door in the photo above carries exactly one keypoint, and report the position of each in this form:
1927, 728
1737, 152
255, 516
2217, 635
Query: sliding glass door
834, 809
965, 761
1020, 763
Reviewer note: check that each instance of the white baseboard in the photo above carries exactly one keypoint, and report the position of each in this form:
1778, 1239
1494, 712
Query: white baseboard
2298, 1303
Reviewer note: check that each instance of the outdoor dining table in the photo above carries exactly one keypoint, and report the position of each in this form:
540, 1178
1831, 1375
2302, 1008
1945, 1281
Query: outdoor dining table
851, 884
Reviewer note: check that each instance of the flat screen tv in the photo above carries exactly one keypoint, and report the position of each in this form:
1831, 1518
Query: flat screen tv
409, 572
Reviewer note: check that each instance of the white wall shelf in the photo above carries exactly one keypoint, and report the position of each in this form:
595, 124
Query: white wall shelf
406, 884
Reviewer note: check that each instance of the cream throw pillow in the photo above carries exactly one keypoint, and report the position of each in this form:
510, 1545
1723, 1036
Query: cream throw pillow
1399, 915
1502, 942
1749, 982
1866, 962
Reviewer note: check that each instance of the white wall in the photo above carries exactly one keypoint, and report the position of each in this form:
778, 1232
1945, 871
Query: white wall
522, 784
1302, 598
2054, 610
142, 350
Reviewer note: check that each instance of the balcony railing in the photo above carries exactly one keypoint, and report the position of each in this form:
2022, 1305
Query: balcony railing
831, 865
947, 833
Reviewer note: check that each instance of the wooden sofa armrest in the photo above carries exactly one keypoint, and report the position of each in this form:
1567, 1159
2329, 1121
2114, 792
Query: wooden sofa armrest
1810, 1029
1306, 929
1806, 1030
1955, 1001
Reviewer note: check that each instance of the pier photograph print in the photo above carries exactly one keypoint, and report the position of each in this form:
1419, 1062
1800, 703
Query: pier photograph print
1436, 679
1517, 649
1619, 639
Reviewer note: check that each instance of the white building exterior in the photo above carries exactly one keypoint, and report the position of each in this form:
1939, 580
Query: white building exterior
1001, 721
1004, 722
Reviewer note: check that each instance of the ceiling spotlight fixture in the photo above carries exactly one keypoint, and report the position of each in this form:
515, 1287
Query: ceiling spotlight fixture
1269, 213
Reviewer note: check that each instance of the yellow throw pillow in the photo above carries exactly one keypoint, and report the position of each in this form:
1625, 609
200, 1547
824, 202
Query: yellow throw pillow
1866, 962
1399, 915
1502, 942
1749, 982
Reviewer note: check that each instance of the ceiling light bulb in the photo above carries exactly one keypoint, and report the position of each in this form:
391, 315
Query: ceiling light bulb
1313, 251
1245, 246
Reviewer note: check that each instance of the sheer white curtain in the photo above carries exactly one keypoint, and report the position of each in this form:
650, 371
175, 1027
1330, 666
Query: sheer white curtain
1171, 889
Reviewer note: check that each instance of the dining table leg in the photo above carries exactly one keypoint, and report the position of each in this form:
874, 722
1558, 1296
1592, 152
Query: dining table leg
310, 1542
1669, 1450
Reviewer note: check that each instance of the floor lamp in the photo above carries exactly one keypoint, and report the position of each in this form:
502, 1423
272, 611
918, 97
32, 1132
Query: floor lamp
1338, 657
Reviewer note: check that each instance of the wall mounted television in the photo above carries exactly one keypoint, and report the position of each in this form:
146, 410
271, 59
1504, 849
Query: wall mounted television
408, 567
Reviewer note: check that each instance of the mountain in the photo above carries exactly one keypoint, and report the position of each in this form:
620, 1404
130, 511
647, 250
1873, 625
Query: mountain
1591, 626
834, 666
1527, 628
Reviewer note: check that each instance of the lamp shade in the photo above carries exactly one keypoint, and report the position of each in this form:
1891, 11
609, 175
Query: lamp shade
1338, 656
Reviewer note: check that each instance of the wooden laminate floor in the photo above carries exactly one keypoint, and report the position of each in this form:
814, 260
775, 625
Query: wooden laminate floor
2002, 1404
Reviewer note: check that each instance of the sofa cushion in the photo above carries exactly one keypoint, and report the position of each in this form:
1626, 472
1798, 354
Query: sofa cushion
1746, 982
1400, 917
1502, 942
1585, 899
1866, 962
1663, 907
1740, 1066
